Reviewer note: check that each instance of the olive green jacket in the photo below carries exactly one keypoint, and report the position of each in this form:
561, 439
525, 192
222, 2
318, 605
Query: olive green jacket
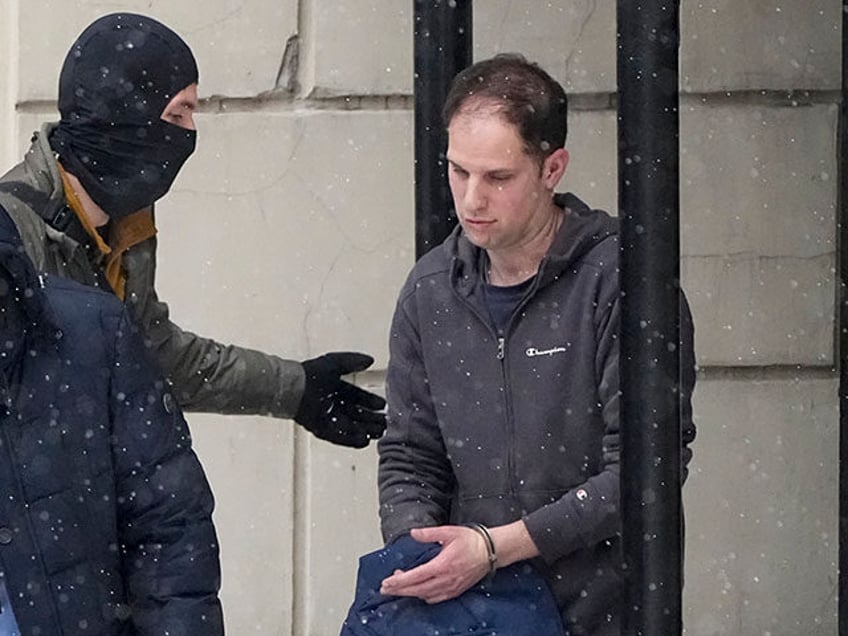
207, 376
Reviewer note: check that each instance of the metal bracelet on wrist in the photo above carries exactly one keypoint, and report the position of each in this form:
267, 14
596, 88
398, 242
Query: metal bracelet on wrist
491, 555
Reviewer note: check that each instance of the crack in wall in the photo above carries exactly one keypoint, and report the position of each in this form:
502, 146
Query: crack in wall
590, 11
287, 75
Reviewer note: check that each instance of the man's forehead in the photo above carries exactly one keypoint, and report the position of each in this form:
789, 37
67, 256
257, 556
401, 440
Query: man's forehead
487, 143
490, 161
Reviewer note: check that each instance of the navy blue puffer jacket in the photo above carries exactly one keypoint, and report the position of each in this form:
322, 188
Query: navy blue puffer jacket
105, 518
515, 602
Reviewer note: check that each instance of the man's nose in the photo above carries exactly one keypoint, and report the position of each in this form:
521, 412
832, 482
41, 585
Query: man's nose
475, 196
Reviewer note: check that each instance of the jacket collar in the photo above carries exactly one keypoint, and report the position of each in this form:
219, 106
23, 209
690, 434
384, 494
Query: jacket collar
53, 207
581, 230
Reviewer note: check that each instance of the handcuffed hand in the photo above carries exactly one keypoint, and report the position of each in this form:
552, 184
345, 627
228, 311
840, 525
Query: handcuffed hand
335, 410
462, 562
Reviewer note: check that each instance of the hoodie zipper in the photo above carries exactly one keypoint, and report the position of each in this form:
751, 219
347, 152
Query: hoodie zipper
501, 357
510, 459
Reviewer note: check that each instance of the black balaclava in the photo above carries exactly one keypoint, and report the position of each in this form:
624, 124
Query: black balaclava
116, 80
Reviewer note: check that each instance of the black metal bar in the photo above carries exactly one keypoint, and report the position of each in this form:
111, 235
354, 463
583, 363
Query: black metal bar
442, 48
649, 206
842, 336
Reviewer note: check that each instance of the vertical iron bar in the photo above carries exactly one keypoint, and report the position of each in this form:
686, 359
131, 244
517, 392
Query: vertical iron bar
842, 336
442, 48
649, 205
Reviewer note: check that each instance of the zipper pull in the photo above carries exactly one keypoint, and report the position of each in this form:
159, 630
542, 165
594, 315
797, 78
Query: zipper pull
501, 344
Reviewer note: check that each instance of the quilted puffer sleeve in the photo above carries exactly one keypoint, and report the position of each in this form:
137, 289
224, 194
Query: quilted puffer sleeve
169, 545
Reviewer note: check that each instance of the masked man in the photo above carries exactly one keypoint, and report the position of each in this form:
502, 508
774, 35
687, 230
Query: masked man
82, 200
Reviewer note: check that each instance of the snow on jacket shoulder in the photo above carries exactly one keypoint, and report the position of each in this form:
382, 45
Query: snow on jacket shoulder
108, 508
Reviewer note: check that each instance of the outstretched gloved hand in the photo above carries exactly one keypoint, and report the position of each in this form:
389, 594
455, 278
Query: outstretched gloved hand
338, 411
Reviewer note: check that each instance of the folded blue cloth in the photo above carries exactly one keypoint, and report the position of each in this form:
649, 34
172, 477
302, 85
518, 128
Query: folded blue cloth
515, 602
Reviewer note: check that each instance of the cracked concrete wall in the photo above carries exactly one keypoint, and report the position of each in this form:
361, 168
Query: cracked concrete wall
291, 230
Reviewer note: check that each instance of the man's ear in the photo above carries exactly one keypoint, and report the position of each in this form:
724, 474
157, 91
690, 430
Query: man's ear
554, 167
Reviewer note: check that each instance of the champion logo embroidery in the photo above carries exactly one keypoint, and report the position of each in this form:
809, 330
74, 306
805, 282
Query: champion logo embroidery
533, 352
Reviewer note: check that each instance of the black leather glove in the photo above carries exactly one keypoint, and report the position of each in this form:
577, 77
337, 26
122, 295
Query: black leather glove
338, 411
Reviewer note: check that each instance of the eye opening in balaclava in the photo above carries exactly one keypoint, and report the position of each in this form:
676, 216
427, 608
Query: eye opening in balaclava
116, 81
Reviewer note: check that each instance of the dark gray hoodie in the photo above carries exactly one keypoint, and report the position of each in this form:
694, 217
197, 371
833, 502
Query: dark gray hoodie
494, 429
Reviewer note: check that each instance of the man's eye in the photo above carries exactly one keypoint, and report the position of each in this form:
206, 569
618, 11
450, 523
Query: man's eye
500, 177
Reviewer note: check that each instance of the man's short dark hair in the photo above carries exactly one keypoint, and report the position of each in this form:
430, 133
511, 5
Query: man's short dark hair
521, 92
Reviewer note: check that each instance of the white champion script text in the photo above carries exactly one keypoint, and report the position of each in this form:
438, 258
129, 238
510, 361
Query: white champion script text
532, 352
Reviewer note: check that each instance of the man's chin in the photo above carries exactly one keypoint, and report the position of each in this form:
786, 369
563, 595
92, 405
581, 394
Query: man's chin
478, 236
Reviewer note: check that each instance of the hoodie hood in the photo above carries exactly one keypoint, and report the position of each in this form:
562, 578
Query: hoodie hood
582, 229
